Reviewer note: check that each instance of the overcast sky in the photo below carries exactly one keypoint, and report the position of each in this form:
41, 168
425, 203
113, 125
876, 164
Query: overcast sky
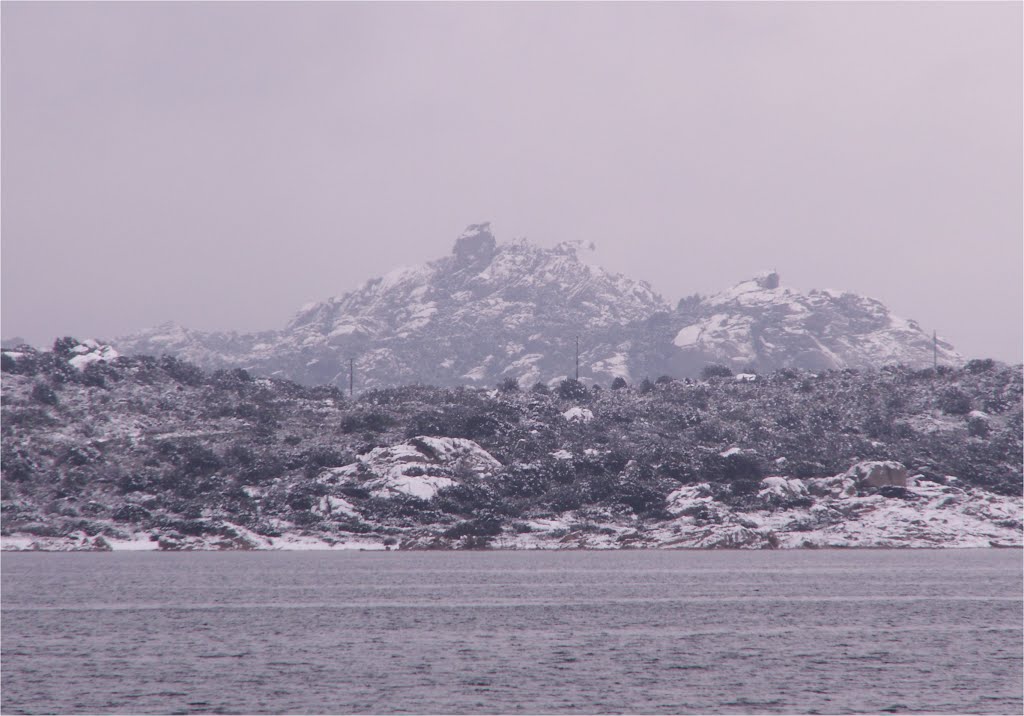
221, 164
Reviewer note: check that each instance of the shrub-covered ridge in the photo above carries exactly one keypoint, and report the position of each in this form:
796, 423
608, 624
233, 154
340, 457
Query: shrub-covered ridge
147, 452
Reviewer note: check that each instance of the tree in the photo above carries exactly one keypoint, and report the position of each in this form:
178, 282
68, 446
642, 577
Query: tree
509, 385
571, 389
619, 383
63, 346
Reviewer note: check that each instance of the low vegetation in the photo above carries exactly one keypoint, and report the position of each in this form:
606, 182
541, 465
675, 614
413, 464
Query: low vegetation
157, 443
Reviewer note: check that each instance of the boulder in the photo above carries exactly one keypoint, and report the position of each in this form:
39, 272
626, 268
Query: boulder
782, 487
578, 415
878, 474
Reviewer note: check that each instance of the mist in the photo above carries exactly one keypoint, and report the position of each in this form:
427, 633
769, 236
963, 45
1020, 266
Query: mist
220, 164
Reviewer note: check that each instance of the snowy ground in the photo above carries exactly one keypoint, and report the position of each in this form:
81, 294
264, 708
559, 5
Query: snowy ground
929, 515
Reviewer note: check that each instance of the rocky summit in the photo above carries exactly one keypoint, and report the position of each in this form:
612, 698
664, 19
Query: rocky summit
491, 311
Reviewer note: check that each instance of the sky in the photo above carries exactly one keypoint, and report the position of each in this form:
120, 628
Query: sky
221, 164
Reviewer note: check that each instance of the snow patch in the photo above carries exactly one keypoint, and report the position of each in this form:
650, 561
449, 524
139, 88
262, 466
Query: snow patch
578, 415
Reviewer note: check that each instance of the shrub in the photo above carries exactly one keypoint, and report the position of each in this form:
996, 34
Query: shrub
63, 346
715, 370
980, 365
663, 380
619, 383
571, 389
131, 513
954, 401
509, 385
745, 486
181, 371
42, 393
540, 389
319, 458
484, 526
373, 422
646, 386
94, 375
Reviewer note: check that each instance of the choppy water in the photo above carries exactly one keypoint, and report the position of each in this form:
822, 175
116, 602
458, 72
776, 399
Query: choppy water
528, 632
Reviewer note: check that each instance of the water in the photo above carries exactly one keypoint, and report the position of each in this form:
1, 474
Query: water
826, 631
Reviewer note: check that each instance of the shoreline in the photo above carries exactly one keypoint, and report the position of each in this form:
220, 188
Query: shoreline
29, 543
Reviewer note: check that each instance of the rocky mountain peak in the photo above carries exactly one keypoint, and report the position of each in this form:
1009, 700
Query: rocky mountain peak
491, 311
476, 244
767, 279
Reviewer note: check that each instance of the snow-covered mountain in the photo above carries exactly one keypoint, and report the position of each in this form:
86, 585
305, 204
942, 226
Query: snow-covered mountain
760, 324
490, 311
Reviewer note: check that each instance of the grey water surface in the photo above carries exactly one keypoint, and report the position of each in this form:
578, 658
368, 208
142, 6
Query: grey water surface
828, 631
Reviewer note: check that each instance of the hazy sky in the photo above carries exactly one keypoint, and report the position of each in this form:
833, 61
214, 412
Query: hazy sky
222, 164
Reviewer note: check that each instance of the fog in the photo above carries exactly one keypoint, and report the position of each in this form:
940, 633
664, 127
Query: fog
220, 164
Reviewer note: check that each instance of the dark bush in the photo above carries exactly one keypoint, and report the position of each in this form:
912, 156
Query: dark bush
373, 422
304, 497
619, 383
199, 460
572, 389
42, 393
64, 347
131, 513
181, 371
354, 491
980, 365
319, 458
715, 370
978, 427
484, 526
463, 499
745, 486
509, 385
737, 467
954, 401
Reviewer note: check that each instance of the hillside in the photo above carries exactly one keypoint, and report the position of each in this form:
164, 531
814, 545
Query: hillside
102, 450
490, 311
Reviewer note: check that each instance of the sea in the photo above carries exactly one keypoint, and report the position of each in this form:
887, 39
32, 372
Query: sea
537, 632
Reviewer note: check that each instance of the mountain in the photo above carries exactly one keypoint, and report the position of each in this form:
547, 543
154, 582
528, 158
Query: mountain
761, 324
491, 311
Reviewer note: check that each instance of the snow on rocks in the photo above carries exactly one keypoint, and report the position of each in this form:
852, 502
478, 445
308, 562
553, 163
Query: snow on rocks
838, 486
878, 474
330, 505
418, 467
578, 415
90, 351
689, 497
784, 487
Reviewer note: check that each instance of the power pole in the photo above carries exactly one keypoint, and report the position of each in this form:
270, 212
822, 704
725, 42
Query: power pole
351, 373
935, 350
577, 359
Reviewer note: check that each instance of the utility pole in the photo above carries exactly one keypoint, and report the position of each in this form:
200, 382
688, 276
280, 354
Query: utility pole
351, 373
935, 350
577, 359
